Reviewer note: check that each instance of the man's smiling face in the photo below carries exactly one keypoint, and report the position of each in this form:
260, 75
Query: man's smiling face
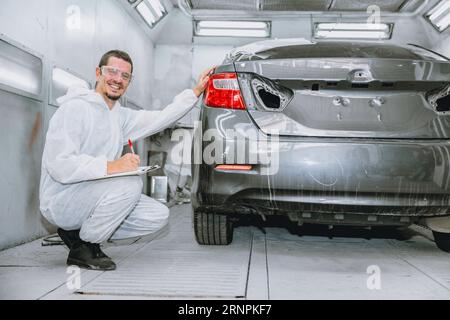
113, 79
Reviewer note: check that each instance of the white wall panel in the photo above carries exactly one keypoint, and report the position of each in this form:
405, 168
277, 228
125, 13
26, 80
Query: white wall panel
25, 21
206, 56
72, 48
21, 137
177, 67
41, 25
176, 29
142, 53
173, 66
295, 28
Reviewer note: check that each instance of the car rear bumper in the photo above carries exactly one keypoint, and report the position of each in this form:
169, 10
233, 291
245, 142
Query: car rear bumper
355, 180
322, 207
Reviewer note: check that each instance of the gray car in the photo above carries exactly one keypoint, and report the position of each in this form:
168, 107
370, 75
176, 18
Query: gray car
336, 133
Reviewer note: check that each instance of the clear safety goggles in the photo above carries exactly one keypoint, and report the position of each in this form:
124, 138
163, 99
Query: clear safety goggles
113, 72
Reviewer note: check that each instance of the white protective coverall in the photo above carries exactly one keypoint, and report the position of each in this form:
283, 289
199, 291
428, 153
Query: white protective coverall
83, 135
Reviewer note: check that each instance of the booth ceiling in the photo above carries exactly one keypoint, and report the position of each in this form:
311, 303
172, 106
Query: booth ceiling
394, 6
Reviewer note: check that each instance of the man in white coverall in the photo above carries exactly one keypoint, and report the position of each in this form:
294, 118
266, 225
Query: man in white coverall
84, 142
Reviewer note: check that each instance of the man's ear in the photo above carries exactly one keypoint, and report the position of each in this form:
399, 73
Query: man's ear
98, 73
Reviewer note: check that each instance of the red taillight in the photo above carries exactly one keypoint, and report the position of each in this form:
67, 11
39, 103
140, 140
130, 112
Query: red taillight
223, 92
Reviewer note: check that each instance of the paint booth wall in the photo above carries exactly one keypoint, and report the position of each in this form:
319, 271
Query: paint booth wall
67, 36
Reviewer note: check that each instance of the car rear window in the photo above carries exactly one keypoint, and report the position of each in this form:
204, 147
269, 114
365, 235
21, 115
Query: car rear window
345, 50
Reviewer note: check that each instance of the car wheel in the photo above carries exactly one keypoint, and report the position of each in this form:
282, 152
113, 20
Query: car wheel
442, 240
212, 228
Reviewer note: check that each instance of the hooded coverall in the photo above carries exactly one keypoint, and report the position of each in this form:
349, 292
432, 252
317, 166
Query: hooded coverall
83, 135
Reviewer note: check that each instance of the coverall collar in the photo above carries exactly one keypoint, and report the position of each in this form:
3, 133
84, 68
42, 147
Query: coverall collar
78, 92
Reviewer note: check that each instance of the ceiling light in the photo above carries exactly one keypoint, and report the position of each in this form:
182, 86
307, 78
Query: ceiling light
232, 28
157, 7
439, 16
151, 11
352, 30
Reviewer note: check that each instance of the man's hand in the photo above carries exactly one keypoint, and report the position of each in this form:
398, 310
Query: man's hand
128, 162
203, 81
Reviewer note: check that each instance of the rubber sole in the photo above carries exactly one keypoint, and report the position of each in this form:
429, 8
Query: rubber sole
81, 264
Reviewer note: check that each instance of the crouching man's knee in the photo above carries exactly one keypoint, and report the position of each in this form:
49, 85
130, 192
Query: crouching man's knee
156, 217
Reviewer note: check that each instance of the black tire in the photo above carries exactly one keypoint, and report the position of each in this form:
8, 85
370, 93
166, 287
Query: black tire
442, 240
212, 228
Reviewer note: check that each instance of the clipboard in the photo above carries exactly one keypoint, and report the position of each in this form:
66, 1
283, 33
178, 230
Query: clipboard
140, 171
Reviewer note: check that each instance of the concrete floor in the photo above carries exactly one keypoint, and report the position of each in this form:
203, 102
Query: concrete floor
275, 262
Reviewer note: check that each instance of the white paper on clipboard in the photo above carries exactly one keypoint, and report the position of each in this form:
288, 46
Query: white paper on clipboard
140, 171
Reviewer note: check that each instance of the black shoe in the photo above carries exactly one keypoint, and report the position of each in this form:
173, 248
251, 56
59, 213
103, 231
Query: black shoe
95, 247
70, 238
89, 256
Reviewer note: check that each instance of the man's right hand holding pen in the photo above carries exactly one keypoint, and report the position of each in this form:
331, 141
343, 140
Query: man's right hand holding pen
128, 162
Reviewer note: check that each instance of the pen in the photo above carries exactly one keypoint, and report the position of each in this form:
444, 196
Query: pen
131, 145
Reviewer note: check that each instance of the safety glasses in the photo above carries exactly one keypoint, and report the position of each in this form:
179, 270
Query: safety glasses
113, 72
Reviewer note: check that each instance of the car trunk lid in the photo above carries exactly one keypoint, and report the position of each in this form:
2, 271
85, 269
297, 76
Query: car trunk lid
347, 97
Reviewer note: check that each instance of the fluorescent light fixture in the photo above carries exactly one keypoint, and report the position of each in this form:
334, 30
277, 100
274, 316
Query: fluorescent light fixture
259, 29
232, 24
146, 13
353, 30
22, 79
157, 7
66, 79
439, 16
20, 69
151, 11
